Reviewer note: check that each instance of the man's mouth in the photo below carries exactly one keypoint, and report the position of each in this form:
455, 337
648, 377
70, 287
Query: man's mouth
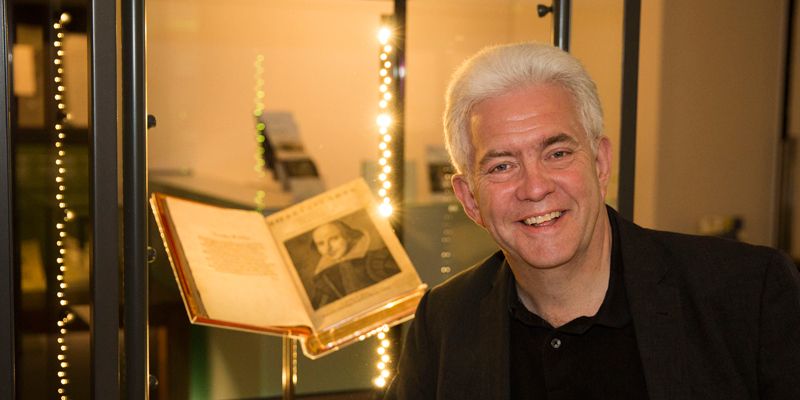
540, 220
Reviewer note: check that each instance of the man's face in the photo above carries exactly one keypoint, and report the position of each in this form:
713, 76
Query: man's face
537, 186
330, 241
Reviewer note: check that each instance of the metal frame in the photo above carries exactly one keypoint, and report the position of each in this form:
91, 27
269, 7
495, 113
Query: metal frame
7, 279
562, 18
134, 131
398, 139
630, 88
105, 368
788, 144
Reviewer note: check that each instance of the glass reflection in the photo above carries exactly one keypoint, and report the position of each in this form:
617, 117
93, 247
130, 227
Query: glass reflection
236, 86
49, 130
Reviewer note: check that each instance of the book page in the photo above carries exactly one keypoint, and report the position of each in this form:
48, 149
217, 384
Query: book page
346, 257
236, 265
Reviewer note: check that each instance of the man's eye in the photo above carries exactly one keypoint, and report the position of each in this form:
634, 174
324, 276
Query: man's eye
560, 154
499, 168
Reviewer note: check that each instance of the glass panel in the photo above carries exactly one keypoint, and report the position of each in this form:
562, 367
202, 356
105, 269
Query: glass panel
49, 127
309, 70
597, 42
440, 239
306, 69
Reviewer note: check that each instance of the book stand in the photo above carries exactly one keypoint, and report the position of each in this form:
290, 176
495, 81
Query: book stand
289, 367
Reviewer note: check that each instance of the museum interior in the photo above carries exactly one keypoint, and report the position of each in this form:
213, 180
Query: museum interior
264, 105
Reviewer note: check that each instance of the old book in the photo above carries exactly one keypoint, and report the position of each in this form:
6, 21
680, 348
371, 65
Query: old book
328, 270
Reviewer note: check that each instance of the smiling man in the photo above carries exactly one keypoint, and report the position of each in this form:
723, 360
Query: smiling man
580, 303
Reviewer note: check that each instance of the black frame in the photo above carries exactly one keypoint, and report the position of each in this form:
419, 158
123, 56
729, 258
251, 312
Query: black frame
630, 89
134, 182
7, 278
104, 265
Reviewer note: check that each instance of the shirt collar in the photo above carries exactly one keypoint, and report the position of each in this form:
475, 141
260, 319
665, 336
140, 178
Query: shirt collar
613, 311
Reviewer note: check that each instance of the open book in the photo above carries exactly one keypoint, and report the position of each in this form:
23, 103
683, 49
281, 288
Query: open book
328, 270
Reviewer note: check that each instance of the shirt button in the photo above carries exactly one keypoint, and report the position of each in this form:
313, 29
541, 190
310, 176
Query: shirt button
555, 343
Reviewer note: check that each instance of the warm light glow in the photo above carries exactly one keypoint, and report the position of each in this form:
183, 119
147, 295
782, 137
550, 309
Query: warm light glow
384, 120
385, 208
386, 211
384, 34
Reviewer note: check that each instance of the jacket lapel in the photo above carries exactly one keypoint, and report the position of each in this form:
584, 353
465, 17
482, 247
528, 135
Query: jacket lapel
655, 307
491, 346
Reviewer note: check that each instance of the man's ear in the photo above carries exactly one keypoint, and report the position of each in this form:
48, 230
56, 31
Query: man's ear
603, 163
466, 198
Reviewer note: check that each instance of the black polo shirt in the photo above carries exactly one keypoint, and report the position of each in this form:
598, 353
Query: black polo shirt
586, 358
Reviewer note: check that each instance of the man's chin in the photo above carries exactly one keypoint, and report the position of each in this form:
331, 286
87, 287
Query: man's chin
541, 259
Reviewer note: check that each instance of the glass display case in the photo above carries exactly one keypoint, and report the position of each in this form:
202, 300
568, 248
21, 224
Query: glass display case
250, 104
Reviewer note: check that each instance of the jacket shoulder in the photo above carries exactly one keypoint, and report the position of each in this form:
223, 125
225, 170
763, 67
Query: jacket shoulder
709, 248
699, 257
469, 286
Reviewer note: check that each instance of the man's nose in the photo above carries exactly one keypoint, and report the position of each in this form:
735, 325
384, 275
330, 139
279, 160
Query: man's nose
535, 183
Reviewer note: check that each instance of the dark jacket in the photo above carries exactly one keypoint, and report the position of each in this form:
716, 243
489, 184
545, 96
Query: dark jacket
714, 319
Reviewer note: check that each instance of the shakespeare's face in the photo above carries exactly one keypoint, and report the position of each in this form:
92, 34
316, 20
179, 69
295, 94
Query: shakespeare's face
537, 186
330, 241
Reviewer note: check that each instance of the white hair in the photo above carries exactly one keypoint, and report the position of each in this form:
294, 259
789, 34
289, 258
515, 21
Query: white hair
497, 70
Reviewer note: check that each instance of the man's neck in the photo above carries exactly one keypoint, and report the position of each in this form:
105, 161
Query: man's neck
559, 295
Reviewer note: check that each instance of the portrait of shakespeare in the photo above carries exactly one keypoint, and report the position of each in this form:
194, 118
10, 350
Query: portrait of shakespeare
348, 261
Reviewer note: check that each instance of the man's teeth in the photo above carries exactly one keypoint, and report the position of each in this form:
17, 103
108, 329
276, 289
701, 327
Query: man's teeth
543, 218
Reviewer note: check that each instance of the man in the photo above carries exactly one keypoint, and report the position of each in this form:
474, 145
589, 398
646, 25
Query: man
580, 303
346, 263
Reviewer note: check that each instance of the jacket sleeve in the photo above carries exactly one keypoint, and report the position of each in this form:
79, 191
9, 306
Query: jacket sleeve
779, 333
415, 379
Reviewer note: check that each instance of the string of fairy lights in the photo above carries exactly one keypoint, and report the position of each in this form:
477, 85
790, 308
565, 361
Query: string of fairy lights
385, 118
385, 121
62, 116
261, 128
384, 360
